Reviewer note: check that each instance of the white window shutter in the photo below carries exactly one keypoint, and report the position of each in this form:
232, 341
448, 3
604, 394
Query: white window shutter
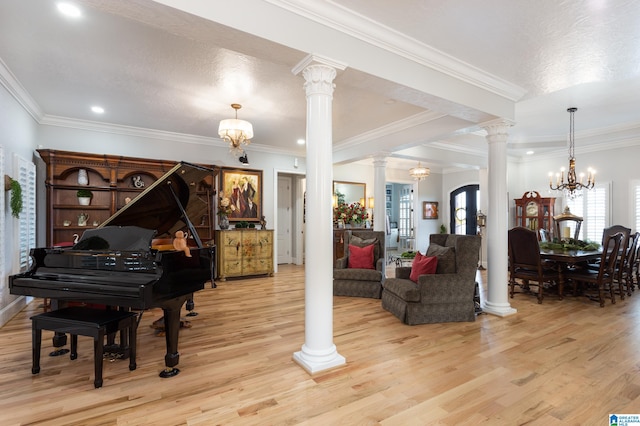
26, 229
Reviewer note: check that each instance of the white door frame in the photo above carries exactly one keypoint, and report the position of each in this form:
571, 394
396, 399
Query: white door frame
298, 226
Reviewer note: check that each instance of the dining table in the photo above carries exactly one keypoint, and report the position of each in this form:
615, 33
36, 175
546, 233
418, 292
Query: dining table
565, 259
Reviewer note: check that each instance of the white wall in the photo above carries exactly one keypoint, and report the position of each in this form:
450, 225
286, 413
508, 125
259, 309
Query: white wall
619, 166
18, 135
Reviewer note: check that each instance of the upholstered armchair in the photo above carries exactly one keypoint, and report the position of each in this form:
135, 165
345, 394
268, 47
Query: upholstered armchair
359, 281
447, 295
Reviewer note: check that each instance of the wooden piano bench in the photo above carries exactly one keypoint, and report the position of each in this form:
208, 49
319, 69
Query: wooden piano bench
85, 321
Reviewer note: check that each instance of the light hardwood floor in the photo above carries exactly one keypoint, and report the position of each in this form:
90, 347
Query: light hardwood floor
564, 362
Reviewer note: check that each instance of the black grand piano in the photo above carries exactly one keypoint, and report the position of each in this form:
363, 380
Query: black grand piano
115, 265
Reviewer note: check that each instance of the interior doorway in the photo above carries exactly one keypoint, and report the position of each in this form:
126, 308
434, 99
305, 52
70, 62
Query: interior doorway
464, 203
399, 211
289, 218
285, 220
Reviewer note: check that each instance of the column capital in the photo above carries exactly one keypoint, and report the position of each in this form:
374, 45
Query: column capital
380, 159
319, 79
497, 127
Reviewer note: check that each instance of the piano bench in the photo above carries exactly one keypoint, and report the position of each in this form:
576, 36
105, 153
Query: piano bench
85, 321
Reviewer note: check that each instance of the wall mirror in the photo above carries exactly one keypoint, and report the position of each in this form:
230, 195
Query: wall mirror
349, 192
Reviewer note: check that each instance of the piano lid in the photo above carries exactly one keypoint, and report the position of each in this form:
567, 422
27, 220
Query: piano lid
156, 207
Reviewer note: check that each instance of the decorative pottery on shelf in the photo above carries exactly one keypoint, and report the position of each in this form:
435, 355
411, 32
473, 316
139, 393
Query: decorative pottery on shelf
82, 219
224, 222
355, 225
83, 177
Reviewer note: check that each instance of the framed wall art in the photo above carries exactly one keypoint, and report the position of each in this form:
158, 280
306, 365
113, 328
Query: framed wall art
429, 209
244, 190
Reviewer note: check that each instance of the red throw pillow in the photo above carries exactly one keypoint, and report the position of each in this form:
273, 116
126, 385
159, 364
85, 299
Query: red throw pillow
423, 265
361, 257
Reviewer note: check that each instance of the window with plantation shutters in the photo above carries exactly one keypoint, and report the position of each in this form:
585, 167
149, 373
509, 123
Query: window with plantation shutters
2, 218
636, 204
26, 229
594, 207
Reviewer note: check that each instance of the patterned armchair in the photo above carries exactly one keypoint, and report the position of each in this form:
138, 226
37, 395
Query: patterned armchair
355, 281
447, 295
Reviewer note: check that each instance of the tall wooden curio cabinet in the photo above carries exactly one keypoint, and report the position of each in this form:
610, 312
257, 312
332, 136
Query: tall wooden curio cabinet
535, 212
112, 181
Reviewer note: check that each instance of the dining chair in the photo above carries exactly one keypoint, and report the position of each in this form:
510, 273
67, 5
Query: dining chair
622, 254
603, 277
526, 265
630, 263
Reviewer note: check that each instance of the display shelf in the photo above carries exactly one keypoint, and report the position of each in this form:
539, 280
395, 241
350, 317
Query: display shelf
111, 179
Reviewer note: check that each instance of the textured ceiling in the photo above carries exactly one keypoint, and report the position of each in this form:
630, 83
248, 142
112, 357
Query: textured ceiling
154, 67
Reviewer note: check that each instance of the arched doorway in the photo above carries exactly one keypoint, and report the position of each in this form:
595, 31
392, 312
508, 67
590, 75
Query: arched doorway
464, 203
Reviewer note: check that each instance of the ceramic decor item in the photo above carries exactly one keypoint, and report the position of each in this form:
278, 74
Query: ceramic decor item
83, 177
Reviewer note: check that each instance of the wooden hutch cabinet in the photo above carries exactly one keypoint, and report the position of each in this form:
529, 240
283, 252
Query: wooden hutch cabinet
535, 212
243, 252
338, 244
113, 181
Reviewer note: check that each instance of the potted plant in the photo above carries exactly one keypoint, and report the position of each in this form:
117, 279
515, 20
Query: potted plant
84, 197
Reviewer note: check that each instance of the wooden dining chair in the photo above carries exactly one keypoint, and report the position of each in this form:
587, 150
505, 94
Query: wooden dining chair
628, 270
622, 254
603, 277
526, 265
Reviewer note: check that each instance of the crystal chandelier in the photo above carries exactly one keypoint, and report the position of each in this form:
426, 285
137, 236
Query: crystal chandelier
419, 173
572, 185
236, 132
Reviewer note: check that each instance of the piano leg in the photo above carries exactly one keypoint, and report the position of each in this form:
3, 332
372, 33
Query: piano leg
172, 328
191, 306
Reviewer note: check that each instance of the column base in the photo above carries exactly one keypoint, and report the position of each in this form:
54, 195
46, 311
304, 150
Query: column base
315, 362
498, 309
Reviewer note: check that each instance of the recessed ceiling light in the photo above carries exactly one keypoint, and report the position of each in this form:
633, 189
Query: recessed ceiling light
300, 141
97, 109
69, 9
530, 152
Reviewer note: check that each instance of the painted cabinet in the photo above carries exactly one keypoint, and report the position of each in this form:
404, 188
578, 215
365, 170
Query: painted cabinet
244, 252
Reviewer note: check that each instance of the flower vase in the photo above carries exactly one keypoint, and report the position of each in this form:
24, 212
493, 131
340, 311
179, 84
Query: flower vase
224, 222
356, 225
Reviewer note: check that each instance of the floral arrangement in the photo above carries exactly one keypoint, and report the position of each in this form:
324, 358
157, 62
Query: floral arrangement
570, 244
350, 213
225, 208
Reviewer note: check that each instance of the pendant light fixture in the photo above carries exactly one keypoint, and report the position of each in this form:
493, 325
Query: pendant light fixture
572, 185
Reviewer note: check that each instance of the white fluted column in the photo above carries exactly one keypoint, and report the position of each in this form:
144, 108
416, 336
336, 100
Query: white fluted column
318, 351
497, 302
379, 191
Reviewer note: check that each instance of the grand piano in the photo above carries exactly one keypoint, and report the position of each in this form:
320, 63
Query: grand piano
116, 265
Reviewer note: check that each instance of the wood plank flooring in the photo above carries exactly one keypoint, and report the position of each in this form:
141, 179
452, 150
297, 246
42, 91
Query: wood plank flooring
566, 362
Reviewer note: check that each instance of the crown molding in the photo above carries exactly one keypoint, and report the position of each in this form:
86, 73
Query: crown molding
390, 129
355, 25
138, 132
20, 94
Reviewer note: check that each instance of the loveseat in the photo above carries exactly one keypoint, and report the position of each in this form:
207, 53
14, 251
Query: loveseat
447, 295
